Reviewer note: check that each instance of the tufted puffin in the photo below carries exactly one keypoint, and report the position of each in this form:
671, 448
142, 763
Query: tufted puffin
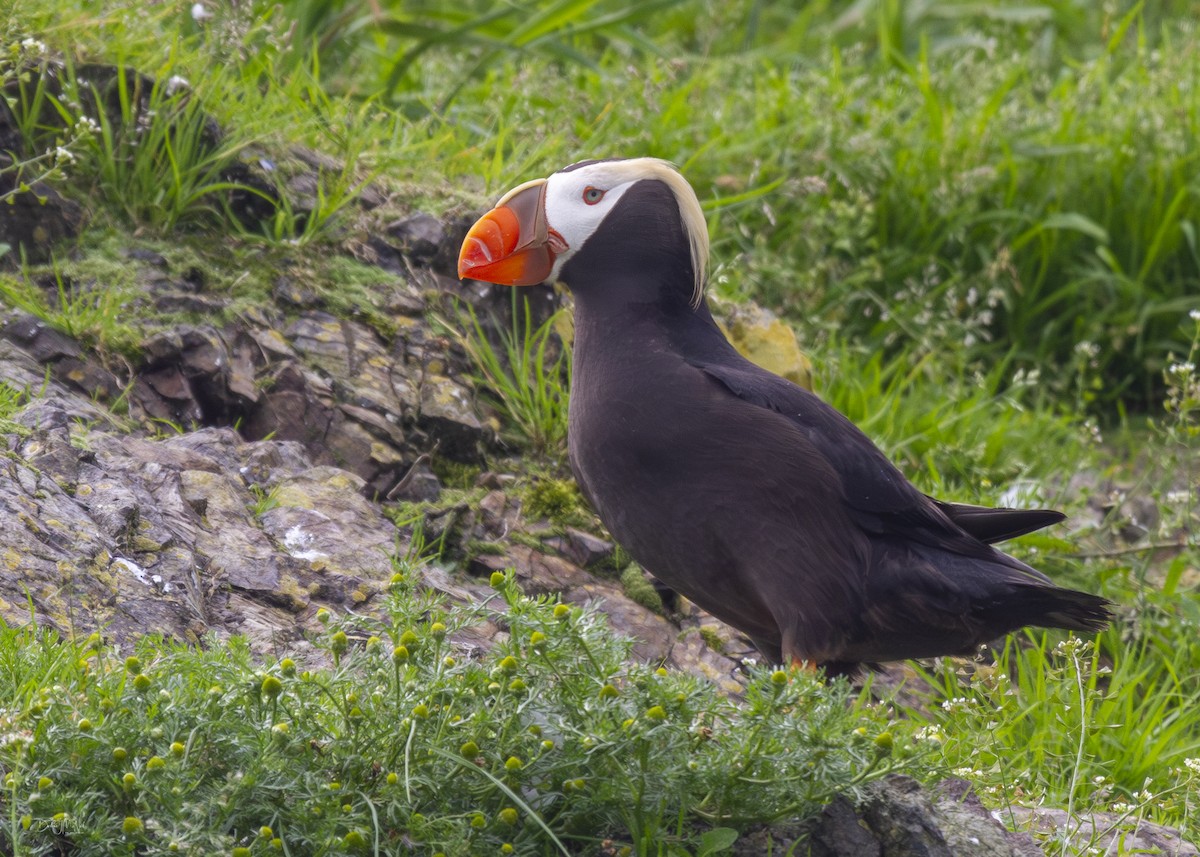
737, 488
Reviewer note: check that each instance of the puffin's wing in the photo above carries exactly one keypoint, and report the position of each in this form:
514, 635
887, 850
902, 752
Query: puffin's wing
882, 499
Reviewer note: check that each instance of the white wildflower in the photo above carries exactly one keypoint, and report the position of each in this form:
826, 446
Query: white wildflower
931, 733
200, 14
1192, 765
63, 156
1194, 314
87, 125
1184, 367
958, 703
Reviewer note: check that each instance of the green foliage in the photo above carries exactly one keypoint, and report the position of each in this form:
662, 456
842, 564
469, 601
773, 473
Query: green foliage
962, 435
12, 400
265, 499
528, 374
641, 590
1116, 732
23, 82
556, 500
156, 157
84, 311
1010, 182
551, 742
477, 34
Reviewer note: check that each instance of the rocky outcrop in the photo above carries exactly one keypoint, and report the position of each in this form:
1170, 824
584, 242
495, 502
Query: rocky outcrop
1104, 833
898, 818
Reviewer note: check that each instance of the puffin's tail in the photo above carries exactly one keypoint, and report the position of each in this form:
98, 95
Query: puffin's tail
1051, 607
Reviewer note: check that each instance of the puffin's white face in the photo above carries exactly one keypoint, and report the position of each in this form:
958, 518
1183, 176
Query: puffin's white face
537, 227
578, 200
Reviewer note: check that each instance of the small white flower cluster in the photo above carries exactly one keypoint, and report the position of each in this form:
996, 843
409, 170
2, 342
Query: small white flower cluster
86, 125
931, 733
1194, 314
1073, 647
1183, 368
15, 741
958, 703
1087, 351
1192, 765
34, 47
968, 773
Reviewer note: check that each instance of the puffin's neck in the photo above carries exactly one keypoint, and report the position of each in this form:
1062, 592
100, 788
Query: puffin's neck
629, 329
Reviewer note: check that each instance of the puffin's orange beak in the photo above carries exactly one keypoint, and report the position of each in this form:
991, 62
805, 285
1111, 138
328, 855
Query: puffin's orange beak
512, 245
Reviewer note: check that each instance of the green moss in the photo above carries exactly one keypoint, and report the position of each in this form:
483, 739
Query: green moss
478, 547
350, 289
556, 500
455, 474
641, 590
712, 639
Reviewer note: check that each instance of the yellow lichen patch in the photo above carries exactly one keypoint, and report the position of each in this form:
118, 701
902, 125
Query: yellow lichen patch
765, 340
385, 453
100, 569
293, 496
145, 544
331, 331
297, 596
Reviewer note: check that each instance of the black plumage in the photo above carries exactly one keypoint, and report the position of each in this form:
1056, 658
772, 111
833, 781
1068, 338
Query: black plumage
747, 493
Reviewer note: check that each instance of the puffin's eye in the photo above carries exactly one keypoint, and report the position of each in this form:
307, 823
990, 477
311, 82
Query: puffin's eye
592, 195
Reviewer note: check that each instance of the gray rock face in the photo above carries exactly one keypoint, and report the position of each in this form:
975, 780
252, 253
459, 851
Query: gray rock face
1108, 834
177, 535
898, 818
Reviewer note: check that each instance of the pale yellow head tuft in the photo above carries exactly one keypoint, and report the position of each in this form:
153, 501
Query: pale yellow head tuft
695, 226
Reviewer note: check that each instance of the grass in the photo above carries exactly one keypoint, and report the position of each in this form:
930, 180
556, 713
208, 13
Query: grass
981, 220
1031, 205
1097, 735
93, 314
547, 745
527, 374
